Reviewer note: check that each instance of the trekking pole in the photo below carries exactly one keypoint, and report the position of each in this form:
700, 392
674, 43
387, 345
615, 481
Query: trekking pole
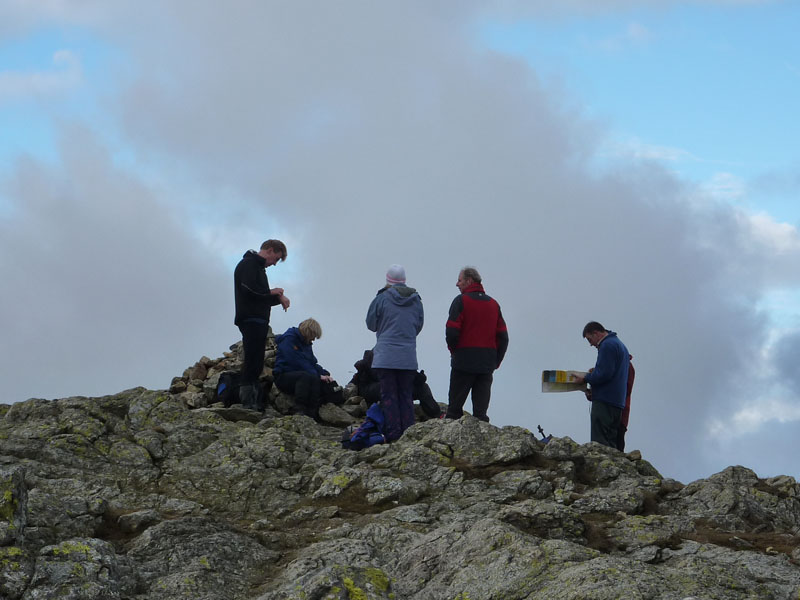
545, 438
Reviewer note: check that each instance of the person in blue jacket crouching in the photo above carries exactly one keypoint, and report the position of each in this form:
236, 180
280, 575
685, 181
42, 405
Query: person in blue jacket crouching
296, 369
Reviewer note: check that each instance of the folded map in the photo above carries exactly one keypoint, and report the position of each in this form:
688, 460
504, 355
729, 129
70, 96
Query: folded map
562, 381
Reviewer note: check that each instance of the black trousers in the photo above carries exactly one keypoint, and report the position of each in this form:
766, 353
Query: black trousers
306, 389
606, 423
621, 437
461, 382
427, 402
254, 344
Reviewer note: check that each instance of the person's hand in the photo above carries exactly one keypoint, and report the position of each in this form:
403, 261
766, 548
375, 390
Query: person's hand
276, 291
588, 395
581, 378
326, 378
284, 302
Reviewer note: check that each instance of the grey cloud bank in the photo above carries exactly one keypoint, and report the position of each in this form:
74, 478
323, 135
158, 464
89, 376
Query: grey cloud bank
365, 135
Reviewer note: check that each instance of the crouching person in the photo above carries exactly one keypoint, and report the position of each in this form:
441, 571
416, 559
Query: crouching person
368, 386
296, 369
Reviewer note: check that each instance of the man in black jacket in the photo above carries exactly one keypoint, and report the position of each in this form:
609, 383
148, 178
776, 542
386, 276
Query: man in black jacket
254, 300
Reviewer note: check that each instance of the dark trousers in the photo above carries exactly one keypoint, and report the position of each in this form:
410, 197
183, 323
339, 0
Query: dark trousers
461, 382
427, 402
606, 422
621, 437
306, 389
396, 402
254, 343
371, 392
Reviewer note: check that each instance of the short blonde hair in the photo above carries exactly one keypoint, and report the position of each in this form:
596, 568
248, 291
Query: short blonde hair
310, 329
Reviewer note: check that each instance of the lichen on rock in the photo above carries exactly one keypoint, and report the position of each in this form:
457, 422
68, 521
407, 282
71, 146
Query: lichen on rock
141, 495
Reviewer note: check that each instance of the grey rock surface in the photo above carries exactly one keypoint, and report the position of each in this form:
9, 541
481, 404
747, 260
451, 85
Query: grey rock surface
139, 496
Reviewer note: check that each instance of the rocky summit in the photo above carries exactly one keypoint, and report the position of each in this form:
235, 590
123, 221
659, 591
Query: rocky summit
165, 495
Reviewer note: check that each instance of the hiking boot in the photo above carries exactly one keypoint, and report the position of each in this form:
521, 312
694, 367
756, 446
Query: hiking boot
248, 395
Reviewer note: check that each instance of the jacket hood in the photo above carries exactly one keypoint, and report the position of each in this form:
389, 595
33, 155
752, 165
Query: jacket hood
402, 295
292, 333
252, 254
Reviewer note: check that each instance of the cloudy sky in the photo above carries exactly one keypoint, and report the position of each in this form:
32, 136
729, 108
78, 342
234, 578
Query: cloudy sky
633, 162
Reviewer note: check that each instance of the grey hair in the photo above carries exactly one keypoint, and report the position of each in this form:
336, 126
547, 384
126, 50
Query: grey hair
471, 273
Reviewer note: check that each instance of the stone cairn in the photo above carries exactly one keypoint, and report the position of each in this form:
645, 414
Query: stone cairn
196, 387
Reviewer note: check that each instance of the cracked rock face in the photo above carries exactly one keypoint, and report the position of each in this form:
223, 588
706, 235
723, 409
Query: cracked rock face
138, 496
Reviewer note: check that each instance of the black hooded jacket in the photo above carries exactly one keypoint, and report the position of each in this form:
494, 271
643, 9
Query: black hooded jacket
251, 289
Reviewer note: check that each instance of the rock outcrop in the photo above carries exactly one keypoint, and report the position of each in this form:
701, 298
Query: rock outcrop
139, 496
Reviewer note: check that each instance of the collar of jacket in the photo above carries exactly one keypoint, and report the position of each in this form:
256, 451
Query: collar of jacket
253, 255
473, 287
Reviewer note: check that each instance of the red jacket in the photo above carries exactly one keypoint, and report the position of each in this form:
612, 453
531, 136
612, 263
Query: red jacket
476, 333
626, 412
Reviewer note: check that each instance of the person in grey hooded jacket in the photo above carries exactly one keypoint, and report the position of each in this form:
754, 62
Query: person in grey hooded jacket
396, 317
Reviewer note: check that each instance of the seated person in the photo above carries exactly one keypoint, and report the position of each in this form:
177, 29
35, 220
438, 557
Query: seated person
369, 387
296, 369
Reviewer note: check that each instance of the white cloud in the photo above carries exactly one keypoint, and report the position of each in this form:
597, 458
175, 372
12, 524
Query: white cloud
780, 238
638, 33
19, 16
594, 7
634, 35
725, 186
756, 418
66, 75
105, 288
632, 148
366, 134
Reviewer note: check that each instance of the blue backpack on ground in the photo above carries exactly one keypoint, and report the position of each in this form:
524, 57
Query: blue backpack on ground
227, 390
369, 433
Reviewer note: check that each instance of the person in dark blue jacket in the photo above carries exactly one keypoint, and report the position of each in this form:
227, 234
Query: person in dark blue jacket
609, 381
296, 369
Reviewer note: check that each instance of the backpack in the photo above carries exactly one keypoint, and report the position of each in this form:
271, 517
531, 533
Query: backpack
369, 433
227, 390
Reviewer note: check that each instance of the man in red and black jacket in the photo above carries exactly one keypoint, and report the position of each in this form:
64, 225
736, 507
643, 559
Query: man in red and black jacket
477, 338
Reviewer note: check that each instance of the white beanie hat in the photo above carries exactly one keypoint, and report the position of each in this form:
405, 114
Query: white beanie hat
395, 274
